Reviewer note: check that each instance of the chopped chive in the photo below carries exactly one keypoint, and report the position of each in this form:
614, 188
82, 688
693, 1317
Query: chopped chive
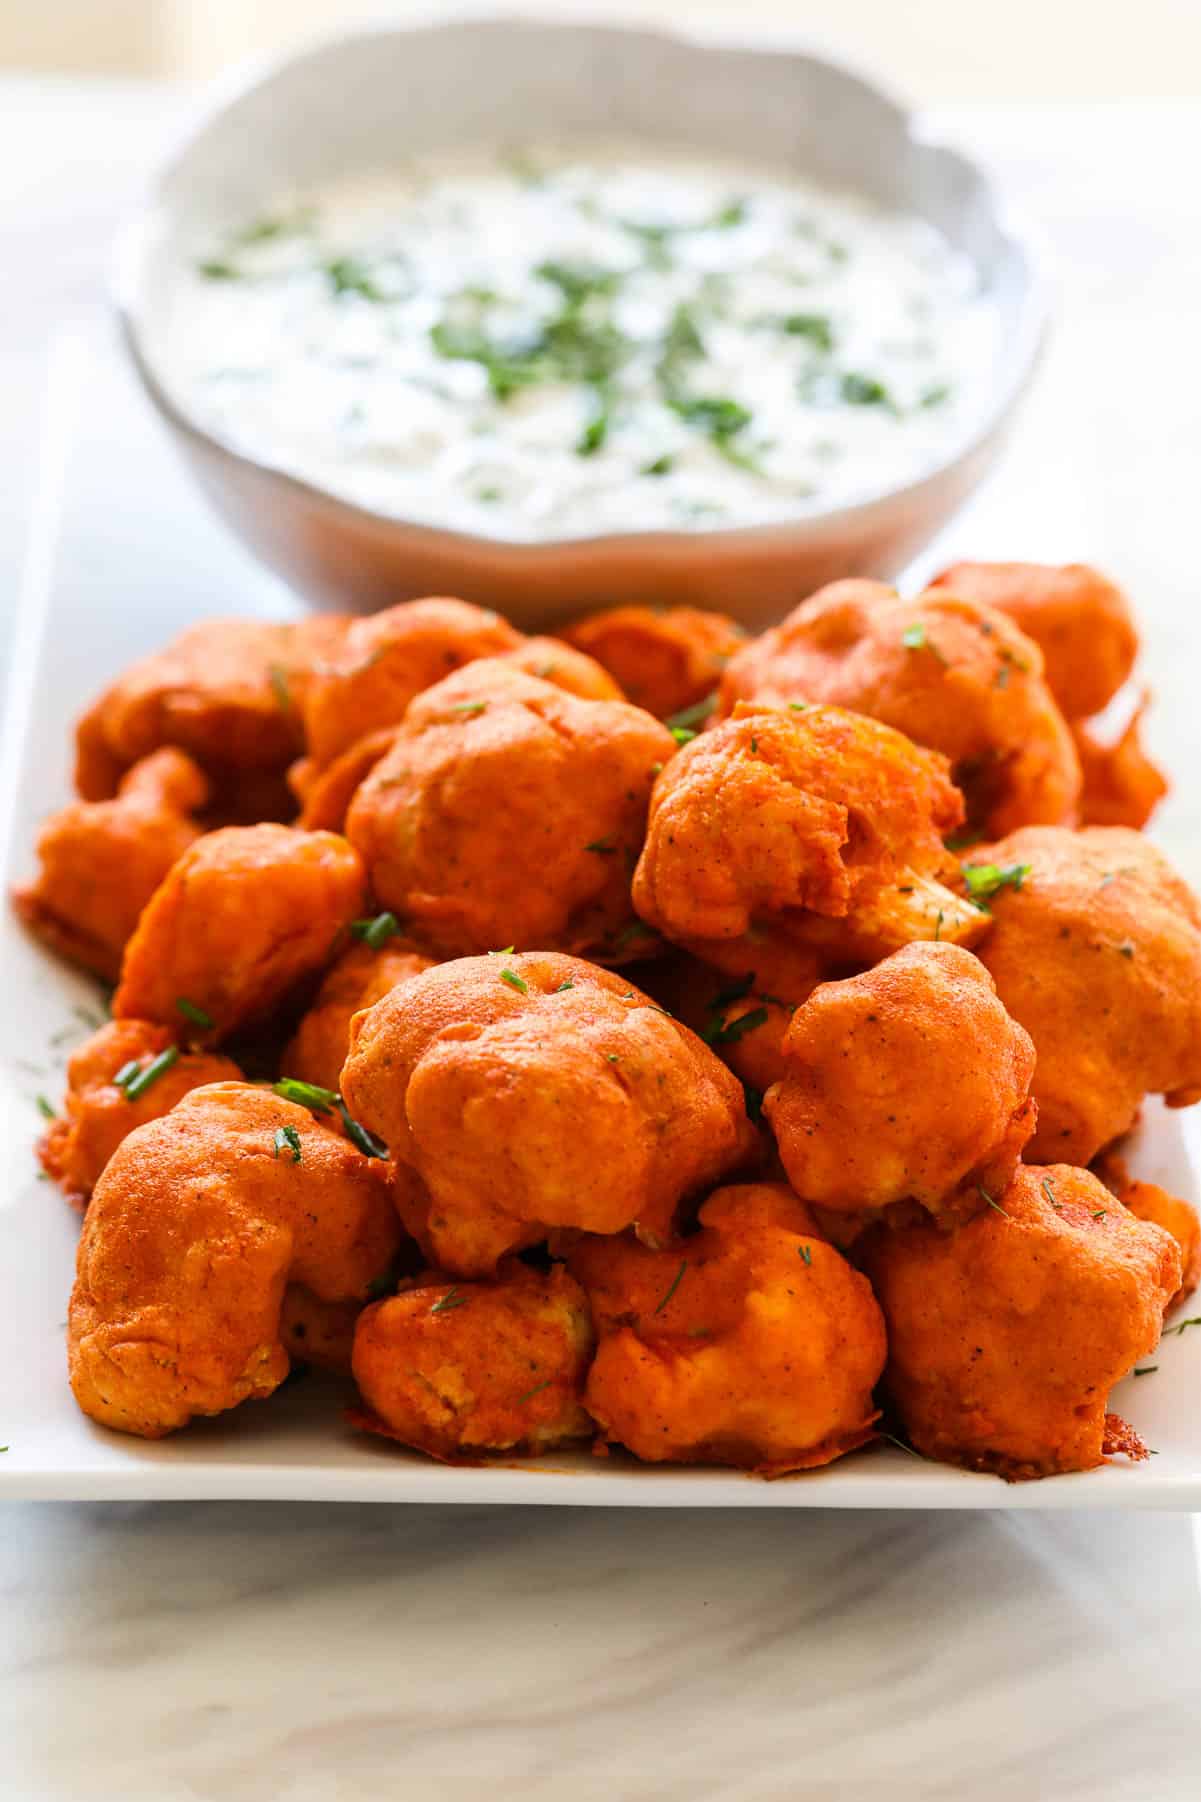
612, 1057
863, 390
531, 1393
900, 1443
136, 1086
678, 1279
604, 847
754, 1102
1100, 1213
215, 269
125, 1072
806, 1254
569, 984
505, 951
469, 707
1049, 1192
729, 1032
279, 687
938, 925
376, 932
798, 706
306, 1094
287, 1139
683, 735
696, 715
1183, 1325
995, 1205
191, 1012
984, 880
452, 1299
658, 466
515, 981
1145, 1370
45, 1109
360, 1138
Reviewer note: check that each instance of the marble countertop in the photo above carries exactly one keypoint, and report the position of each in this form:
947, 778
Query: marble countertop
225, 1653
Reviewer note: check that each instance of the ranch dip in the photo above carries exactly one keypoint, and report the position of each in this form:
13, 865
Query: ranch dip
544, 344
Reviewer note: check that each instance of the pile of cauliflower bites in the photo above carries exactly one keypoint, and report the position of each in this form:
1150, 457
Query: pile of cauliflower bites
710, 1047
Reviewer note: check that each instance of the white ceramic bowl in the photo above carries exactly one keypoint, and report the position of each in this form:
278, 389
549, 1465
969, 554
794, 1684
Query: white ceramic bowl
364, 101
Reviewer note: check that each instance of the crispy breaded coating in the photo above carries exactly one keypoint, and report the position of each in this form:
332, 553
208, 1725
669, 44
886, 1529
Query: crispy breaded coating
199, 1223
360, 978
665, 658
569, 669
459, 1370
100, 861
908, 1083
228, 691
386, 659
510, 812
316, 1332
1082, 623
950, 674
807, 825
98, 1114
538, 1092
1098, 954
1122, 786
1006, 1336
243, 916
1148, 1201
753, 1343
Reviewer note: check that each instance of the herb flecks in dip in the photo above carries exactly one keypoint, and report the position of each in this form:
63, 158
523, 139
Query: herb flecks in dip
547, 345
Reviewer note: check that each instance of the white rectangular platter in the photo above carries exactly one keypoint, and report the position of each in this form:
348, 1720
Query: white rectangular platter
122, 556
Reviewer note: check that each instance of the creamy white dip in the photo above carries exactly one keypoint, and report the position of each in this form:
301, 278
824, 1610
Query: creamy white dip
552, 344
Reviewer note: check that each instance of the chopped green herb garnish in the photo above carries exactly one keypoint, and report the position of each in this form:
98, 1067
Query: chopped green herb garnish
279, 687
798, 706
127, 1070
938, 925
677, 1280
984, 880
899, 1443
136, 1086
692, 717
376, 932
864, 391
1101, 1214
531, 1393
191, 1012
1145, 1370
452, 1299
683, 735
806, 1254
515, 981
360, 1138
814, 326
287, 1139
914, 637
346, 275
1049, 1192
754, 1102
733, 213
658, 466
1182, 1326
45, 1109
612, 1057
306, 1094
594, 433
728, 1033
217, 270
578, 282
604, 847
469, 707
935, 396
984, 1195
569, 984
716, 414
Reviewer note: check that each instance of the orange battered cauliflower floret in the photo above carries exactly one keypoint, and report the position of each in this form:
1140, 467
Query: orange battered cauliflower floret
909, 1083
243, 916
1081, 622
508, 811
197, 1226
102, 860
98, 1113
538, 1092
385, 659
753, 1343
1148, 1201
229, 692
360, 978
666, 659
1122, 786
463, 1369
1097, 952
1006, 1336
949, 673
802, 825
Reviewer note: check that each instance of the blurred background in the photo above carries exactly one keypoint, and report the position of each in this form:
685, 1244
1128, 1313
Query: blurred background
932, 49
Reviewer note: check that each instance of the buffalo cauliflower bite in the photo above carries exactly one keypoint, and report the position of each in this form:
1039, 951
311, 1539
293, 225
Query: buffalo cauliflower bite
1147, 1201
361, 977
243, 916
753, 1343
100, 861
1081, 622
228, 691
538, 1092
909, 1083
665, 658
197, 1226
98, 1112
1122, 786
1006, 1336
315, 1332
571, 670
802, 825
508, 811
386, 659
950, 674
463, 1369
1095, 949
